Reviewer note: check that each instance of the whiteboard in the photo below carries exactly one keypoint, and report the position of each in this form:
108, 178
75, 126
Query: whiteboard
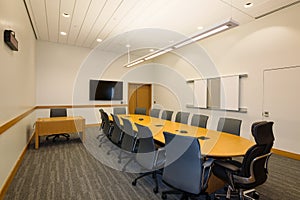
200, 93
229, 92
218, 93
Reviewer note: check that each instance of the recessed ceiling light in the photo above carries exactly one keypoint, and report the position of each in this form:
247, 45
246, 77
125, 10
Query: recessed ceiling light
99, 40
127, 45
200, 27
66, 15
63, 33
151, 50
248, 5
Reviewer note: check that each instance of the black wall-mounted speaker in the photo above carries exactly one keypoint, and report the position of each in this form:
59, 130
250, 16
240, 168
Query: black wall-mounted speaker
10, 40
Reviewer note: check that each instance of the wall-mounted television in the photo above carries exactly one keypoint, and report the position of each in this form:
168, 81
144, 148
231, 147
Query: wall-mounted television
106, 90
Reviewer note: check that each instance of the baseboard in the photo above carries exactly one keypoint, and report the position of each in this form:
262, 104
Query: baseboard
15, 169
286, 154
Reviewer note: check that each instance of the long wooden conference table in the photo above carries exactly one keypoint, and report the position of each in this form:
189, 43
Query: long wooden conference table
213, 143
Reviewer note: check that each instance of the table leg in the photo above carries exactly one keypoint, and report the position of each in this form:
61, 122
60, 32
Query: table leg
83, 130
83, 133
36, 140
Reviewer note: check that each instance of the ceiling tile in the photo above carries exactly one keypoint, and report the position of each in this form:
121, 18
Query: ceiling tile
108, 11
93, 14
65, 23
39, 18
260, 7
78, 16
120, 14
52, 7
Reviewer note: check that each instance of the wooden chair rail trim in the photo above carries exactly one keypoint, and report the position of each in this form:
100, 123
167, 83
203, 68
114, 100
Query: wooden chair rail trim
82, 106
12, 122
15, 120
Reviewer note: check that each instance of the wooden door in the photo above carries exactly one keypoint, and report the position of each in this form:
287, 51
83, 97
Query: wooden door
139, 95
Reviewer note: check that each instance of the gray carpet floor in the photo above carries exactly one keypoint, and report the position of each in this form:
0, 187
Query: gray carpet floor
75, 170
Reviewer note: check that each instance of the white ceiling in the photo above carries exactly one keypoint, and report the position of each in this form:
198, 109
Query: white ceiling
92, 19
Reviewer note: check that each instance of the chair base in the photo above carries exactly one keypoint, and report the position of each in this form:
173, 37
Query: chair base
184, 196
154, 176
56, 136
251, 194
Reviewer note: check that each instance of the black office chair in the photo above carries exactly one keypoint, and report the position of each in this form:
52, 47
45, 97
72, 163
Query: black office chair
243, 177
199, 120
58, 112
184, 169
128, 142
167, 115
116, 133
106, 126
154, 112
229, 125
102, 120
148, 157
140, 111
182, 117
119, 111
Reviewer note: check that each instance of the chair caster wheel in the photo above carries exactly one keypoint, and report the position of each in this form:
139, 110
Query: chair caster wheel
155, 190
164, 196
133, 183
255, 195
207, 197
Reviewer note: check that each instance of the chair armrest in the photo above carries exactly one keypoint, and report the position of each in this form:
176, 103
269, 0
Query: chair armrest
208, 163
160, 158
227, 165
206, 172
252, 178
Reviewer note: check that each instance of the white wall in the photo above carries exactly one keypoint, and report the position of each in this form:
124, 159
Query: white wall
17, 76
57, 68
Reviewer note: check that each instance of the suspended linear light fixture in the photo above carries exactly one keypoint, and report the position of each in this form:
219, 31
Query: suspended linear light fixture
229, 24
134, 63
158, 53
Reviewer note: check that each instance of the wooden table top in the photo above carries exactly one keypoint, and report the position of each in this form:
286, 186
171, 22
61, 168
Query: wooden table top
49, 119
213, 143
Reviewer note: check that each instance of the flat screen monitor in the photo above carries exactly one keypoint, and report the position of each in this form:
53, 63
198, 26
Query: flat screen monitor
106, 90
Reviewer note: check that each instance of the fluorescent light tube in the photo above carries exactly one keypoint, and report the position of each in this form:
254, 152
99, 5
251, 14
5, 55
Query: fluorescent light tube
209, 33
181, 44
134, 63
158, 53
